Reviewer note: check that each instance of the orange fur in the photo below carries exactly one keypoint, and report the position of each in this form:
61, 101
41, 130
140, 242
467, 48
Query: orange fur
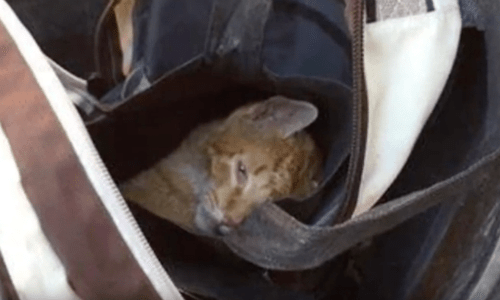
225, 169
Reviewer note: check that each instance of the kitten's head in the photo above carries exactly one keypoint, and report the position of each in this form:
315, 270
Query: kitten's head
260, 153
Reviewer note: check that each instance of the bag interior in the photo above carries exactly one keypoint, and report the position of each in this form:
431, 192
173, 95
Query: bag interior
461, 131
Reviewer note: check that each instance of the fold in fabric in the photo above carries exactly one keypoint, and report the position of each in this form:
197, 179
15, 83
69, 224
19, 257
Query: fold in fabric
407, 63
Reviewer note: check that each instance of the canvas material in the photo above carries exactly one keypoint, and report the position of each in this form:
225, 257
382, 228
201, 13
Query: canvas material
76, 88
485, 16
408, 61
59, 102
22, 242
466, 129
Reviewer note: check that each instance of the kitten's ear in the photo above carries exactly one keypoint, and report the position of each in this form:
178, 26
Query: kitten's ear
285, 115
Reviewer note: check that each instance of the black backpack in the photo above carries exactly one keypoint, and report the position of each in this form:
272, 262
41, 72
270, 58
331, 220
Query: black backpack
433, 231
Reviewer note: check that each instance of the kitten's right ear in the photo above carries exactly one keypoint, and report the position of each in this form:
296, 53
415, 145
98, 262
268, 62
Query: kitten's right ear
280, 113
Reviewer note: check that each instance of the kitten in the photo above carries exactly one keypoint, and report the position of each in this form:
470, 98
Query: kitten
223, 170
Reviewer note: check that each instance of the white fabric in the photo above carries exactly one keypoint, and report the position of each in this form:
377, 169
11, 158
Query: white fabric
407, 63
33, 266
89, 158
75, 87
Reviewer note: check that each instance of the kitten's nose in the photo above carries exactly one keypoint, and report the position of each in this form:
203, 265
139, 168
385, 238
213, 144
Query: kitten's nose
232, 221
228, 224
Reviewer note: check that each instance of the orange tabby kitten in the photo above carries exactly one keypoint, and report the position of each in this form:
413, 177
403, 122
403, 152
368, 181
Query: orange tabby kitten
223, 170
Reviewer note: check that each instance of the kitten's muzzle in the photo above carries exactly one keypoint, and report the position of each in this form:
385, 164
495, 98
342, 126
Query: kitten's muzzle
211, 221
228, 225
222, 230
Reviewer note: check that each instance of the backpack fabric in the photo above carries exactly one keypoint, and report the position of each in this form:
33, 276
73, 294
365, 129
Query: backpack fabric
425, 210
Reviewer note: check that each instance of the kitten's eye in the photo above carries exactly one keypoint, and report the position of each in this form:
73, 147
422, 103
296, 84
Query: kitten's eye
241, 173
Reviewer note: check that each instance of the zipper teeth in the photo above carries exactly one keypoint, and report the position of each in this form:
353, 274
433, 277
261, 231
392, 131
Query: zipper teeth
117, 207
360, 115
157, 270
124, 208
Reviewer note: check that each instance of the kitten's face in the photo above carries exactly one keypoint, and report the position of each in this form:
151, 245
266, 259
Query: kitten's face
242, 182
248, 167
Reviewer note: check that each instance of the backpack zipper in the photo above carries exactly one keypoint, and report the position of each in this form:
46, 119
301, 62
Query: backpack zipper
360, 115
120, 213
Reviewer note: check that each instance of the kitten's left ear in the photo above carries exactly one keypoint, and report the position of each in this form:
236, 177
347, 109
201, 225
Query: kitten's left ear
285, 115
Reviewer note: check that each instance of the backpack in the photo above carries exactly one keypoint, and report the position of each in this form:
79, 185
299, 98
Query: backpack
410, 159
